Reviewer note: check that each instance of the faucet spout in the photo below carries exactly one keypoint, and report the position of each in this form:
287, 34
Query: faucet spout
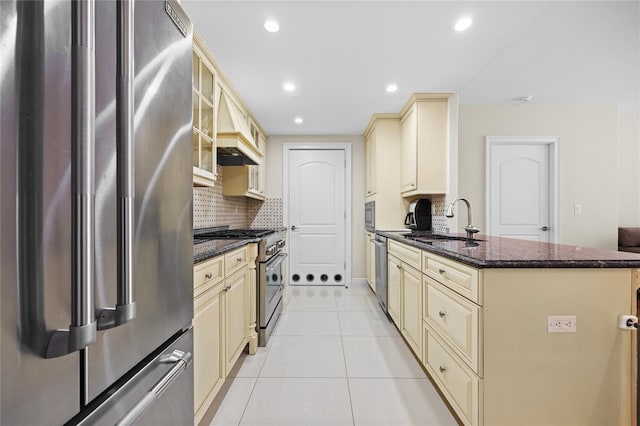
470, 228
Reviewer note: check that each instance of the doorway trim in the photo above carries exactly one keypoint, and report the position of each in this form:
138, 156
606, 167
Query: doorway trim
553, 143
346, 147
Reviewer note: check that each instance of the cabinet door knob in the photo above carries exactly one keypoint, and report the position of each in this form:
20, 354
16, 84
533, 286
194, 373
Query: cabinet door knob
239, 259
442, 271
442, 314
208, 275
398, 266
544, 228
442, 369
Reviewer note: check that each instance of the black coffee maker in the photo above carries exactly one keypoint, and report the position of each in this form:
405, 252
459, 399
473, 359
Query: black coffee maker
419, 216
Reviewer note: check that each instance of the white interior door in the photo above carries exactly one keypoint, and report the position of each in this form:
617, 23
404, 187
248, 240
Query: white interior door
317, 217
519, 191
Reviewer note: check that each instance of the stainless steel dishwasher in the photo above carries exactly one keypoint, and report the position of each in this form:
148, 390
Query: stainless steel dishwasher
381, 270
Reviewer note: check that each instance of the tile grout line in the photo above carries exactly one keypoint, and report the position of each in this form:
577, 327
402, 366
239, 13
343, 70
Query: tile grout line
344, 359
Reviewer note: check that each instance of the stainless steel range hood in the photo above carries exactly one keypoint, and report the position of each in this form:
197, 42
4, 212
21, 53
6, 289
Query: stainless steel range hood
235, 144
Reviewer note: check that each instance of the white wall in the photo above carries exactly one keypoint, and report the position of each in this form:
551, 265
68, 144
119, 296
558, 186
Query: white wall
629, 169
275, 186
592, 138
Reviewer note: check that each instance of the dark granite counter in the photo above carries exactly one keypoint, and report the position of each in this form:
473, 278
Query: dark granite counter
204, 250
498, 252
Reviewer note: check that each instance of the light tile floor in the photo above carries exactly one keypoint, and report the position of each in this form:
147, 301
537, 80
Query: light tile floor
334, 359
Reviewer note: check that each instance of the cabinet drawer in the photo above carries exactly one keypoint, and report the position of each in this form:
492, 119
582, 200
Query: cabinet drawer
456, 319
410, 255
459, 385
458, 277
234, 261
207, 273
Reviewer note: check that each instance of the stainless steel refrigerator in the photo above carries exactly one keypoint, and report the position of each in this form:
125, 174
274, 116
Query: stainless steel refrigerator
96, 213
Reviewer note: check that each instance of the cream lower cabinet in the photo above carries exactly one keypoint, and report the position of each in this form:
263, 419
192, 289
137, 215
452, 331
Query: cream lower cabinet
412, 307
405, 292
452, 327
488, 349
236, 312
208, 339
370, 260
222, 321
394, 279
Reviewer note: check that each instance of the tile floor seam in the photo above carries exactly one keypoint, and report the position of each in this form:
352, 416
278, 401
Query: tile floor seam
244, 410
346, 371
357, 387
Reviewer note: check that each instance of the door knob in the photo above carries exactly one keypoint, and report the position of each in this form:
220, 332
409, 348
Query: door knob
544, 228
293, 227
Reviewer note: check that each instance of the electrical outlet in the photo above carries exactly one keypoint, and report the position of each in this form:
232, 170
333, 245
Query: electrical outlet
577, 209
561, 324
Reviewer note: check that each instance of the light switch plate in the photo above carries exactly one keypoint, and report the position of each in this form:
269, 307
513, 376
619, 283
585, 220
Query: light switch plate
561, 324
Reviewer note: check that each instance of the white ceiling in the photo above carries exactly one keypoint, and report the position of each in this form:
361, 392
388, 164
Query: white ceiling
342, 54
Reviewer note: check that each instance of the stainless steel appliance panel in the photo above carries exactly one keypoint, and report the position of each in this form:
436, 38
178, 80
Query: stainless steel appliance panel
370, 216
170, 406
270, 291
381, 272
163, 266
35, 224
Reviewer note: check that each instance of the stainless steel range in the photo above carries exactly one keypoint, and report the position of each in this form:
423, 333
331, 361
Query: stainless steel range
271, 273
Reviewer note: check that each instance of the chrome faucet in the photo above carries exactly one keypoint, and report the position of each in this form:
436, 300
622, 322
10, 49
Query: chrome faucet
470, 228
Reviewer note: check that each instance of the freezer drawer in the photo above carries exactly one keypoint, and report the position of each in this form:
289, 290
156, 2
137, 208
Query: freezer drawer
160, 391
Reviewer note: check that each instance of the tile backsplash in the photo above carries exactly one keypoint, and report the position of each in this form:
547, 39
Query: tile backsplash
211, 208
265, 214
439, 220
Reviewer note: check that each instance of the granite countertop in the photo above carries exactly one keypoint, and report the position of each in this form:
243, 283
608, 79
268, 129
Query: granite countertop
498, 252
206, 249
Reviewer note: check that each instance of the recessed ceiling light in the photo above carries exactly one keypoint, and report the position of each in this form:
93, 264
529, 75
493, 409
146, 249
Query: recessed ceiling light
289, 87
272, 26
392, 88
298, 120
463, 24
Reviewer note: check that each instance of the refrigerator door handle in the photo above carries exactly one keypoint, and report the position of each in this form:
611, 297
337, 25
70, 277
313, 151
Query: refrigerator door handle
125, 309
181, 360
82, 330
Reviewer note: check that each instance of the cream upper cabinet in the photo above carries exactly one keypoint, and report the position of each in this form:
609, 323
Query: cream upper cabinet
424, 140
370, 162
224, 130
382, 170
205, 98
247, 181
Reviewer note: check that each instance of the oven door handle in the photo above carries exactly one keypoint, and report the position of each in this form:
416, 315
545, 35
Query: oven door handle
276, 260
